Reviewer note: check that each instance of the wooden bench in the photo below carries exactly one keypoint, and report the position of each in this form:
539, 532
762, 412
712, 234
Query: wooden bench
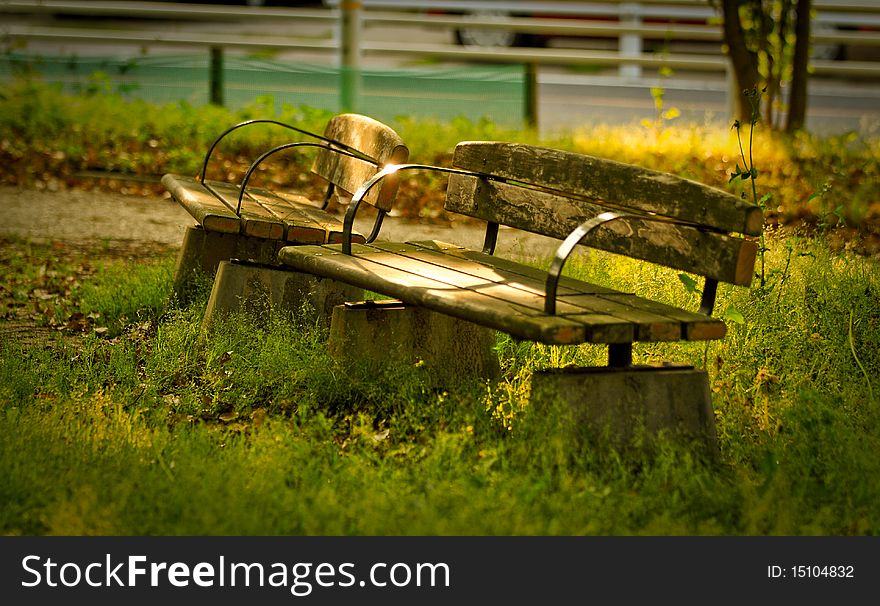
241, 228
578, 199
245, 222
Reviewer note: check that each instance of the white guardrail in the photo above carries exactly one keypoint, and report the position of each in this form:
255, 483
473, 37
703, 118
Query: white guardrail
477, 23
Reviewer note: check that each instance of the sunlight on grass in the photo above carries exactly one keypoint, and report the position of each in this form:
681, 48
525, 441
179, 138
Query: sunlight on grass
253, 430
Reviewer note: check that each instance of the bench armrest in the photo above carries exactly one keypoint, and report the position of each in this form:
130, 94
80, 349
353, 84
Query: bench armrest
707, 301
388, 170
564, 251
274, 150
231, 129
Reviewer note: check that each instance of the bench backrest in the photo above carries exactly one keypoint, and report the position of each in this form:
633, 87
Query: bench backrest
551, 192
371, 138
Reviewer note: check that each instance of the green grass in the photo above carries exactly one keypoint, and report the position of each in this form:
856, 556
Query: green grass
254, 430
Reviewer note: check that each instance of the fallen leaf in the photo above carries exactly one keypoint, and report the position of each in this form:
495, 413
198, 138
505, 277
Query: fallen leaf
228, 417
258, 417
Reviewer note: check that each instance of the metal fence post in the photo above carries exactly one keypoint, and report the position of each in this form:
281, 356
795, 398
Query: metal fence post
350, 77
216, 83
530, 95
630, 44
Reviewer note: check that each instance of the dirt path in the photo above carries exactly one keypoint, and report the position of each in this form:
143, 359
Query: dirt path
76, 216
88, 216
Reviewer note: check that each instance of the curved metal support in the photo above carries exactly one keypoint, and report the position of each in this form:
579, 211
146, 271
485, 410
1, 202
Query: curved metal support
253, 167
348, 224
339, 144
491, 238
327, 195
564, 251
377, 225
707, 299
387, 170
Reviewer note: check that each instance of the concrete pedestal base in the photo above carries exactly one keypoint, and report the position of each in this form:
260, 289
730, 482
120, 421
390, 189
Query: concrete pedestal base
629, 406
258, 289
202, 252
375, 334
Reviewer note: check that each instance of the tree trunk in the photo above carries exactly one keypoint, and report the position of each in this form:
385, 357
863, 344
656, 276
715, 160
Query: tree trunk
797, 105
743, 61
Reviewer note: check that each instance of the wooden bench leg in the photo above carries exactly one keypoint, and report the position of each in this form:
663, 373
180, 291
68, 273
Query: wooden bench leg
626, 407
376, 334
203, 250
258, 289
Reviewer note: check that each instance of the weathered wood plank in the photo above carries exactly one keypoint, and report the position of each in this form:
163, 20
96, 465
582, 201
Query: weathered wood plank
451, 278
298, 227
256, 221
651, 324
697, 327
373, 139
265, 214
724, 258
332, 227
602, 328
204, 207
620, 184
693, 326
420, 290
606, 318
454, 262
566, 285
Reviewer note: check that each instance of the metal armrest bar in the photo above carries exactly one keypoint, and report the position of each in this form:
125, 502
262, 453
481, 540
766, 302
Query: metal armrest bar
327, 195
347, 148
564, 251
253, 167
707, 301
491, 238
391, 169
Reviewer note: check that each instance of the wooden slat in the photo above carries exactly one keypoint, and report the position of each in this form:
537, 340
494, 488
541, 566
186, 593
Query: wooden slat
304, 222
373, 139
299, 228
265, 214
454, 262
256, 221
420, 290
695, 326
332, 226
421, 276
653, 321
210, 213
531, 299
566, 285
650, 326
721, 257
613, 182
600, 327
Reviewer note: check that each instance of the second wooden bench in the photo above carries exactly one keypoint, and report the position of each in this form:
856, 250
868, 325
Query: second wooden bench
251, 224
578, 199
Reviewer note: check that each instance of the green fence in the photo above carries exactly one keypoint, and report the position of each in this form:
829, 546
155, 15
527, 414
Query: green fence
475, 92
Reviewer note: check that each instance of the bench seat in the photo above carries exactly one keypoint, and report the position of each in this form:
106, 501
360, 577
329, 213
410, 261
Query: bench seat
271, 215
247, 223
501, 294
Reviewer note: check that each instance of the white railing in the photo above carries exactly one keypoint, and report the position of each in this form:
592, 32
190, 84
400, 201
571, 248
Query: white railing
629, 22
